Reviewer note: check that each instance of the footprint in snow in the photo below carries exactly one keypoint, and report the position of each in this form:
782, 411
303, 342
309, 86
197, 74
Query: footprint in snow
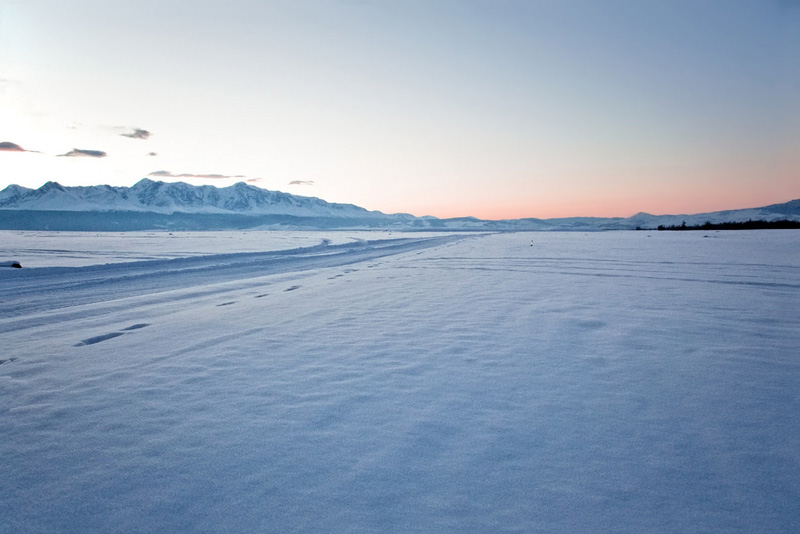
98, 339
9, 360
292, 288
226, 303
136, 326
110, 335
262, 295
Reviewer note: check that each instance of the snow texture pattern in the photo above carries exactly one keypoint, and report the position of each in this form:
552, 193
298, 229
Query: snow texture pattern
570, 382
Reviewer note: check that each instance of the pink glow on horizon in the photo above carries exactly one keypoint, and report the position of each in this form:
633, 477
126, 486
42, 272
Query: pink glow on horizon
676, 204
612, 192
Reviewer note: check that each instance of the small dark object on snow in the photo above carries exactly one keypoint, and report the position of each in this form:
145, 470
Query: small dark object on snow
11, 264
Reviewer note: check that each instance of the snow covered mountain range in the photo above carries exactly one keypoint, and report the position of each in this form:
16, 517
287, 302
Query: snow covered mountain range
171, 197
153, 204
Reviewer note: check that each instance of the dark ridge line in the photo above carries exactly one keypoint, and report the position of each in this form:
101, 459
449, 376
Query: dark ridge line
783, 224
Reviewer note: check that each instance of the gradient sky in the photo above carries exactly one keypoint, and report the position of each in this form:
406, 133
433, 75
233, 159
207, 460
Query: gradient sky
496, 109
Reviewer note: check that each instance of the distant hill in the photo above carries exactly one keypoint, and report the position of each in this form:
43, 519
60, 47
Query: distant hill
153, 204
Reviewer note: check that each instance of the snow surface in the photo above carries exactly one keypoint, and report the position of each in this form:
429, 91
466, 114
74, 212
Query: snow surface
49, 249
528, 382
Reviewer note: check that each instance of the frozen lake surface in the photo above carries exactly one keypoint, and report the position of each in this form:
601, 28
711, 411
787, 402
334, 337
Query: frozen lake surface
366, 382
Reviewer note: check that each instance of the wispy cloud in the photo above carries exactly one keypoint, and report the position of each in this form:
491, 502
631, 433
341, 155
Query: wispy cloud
301, 182
80, 153
168, 174
152, 153
7, 146
137, 133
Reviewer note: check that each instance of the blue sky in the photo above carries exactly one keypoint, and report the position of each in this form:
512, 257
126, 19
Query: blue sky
494, 109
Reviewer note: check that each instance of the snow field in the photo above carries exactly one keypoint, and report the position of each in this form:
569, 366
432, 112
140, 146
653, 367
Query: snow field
605, 382
78, 249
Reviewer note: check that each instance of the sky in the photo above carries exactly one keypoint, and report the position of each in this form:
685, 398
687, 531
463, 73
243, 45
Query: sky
494, 109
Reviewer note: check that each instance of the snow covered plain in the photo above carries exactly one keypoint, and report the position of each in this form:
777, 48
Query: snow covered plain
78, 249
530, 382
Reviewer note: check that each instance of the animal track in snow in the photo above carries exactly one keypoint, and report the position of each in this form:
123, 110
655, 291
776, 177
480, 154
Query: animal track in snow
226, 303
292, 288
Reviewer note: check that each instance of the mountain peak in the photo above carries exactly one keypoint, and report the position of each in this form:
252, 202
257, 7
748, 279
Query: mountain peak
51, 185
14, 188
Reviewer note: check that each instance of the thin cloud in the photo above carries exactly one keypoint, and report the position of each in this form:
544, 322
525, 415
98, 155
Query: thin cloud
152, 153
301, 182
137, 133
7, 146
80, 153
168, 174
253, 180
